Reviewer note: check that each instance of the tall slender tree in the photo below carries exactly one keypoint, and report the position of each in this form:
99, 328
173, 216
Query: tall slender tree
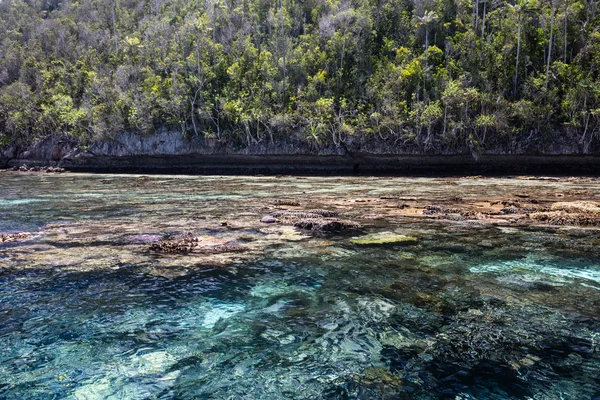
519, 8
283, 50
114, 25
553, 13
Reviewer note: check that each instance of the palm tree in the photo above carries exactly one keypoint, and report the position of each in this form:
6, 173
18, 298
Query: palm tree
427, 19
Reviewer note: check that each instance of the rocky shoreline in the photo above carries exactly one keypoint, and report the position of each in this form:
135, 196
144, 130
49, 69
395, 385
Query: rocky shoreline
173, 153
294, 164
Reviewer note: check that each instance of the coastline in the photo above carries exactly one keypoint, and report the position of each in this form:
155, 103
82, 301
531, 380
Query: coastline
347, 165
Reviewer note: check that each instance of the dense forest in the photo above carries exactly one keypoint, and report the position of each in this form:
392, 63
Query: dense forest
429, 75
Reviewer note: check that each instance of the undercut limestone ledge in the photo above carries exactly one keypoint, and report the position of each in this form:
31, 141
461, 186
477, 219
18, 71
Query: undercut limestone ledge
171, 152
357, 164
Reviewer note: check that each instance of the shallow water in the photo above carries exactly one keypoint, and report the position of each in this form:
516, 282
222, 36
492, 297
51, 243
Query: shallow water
467, 312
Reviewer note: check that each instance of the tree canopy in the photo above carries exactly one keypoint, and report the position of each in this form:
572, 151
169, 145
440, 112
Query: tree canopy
427, 75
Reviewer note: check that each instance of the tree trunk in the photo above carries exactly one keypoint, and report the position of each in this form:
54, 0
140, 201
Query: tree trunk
193, 118
445, 120
198, 54
426, 44
483, 20
214, 22
585, 145
476, 14
565, 29
549, 48
517, 63
283, 51
114, 4
484, 135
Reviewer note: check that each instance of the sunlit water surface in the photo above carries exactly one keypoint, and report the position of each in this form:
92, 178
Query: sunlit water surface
468, 312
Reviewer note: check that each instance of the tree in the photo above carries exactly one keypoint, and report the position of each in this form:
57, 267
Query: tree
434, 73
519, 8
427, 20
553, 13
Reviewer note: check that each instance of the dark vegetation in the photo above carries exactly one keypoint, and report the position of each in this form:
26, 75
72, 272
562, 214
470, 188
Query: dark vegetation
432, 76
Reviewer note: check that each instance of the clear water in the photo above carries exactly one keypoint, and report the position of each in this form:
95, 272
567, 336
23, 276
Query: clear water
468, 312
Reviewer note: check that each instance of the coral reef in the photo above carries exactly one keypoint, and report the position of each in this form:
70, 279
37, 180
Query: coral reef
13, 237
316, 220
566, 218
190, 243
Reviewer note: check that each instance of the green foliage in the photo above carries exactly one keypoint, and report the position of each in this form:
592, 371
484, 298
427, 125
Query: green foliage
4, 140
440, 75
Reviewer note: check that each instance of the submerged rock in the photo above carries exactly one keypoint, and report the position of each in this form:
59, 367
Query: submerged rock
150, 363
144, 238
380, 378
503, 334
220, 248
268, 219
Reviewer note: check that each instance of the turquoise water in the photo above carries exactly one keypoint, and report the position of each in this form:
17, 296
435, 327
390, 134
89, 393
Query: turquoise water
468, 312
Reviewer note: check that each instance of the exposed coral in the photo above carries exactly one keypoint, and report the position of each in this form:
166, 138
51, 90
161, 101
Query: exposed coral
13, 237
315, 213
576, 206
533, 208
285, 202
323, 213
183, 245
433, 209
565, 218
189, 244
316, 220
327, 224
507, 203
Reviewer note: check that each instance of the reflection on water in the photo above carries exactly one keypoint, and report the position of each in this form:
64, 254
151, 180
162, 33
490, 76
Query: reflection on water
466, 312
